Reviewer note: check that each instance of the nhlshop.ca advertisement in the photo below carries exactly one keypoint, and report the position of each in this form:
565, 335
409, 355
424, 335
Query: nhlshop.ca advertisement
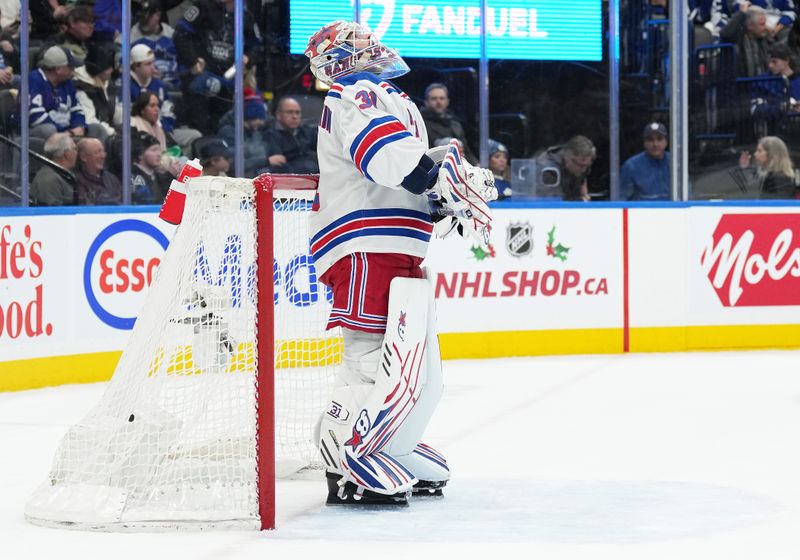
545, 269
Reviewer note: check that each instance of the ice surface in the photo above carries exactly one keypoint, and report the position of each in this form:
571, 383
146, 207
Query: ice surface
643, 456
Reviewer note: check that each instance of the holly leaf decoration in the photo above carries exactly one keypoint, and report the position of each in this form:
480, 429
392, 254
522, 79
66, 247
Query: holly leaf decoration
560, 252
556, 251
479, 253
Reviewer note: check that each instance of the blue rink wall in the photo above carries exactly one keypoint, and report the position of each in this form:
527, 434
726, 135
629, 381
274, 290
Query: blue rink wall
558, 279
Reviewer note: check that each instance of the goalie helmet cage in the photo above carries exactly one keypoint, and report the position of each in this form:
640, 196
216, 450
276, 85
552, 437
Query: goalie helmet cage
220, 386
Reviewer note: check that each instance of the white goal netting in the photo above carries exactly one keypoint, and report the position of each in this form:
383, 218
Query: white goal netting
172, 442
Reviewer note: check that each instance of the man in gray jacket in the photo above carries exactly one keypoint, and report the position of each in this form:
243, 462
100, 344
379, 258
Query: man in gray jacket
50, 187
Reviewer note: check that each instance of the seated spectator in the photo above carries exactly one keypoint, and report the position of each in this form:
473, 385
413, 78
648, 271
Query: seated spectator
748, 31
563, 170
646, 176
256, 147
95, 185
148, 184
773, 96
772, 175
92, 81
780, 14
49, 187
215, 157
77, 28
54, 105
153, 33
144, 118
498, 163
292, 145
439, 122
143, 79
204, 41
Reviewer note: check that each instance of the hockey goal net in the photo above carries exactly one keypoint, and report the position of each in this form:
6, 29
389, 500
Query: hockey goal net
185, 434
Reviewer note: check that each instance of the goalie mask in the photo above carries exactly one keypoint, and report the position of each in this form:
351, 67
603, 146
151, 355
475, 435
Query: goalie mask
343, 47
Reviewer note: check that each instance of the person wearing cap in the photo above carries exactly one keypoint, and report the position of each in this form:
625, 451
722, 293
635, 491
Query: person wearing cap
95, 185
292, 144
148, 184
498, 164
54, 105
215, 157
256, 146
646, 176
52, 187
143, 78
150, 31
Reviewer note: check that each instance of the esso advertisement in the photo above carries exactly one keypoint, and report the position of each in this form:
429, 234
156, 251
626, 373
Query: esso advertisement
119, 266
543, 269
754, 260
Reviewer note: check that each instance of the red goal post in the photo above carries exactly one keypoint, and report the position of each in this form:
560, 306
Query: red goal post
218, 390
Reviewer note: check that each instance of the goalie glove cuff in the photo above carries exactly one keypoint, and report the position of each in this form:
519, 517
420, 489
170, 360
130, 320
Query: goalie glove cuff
422, 177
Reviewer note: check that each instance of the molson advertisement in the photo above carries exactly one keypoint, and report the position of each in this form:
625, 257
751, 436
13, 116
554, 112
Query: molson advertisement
744, 266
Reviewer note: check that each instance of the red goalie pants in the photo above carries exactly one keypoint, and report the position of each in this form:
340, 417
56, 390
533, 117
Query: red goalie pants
360, 284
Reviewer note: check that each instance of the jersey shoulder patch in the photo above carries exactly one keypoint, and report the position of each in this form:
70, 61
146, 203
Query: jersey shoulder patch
191, 13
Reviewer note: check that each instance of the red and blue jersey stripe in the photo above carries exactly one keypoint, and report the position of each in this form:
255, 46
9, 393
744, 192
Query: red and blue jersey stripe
378, 133
335, 91
392, 222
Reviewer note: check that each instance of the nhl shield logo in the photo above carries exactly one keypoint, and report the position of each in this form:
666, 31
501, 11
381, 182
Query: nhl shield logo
519, 239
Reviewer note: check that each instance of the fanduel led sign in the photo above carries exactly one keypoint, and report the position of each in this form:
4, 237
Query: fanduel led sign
516, 29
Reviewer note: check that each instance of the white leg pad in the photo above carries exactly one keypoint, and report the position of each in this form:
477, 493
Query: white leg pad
366, 418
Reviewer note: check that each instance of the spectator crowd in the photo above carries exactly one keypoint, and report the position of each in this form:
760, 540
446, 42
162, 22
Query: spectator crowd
181, 102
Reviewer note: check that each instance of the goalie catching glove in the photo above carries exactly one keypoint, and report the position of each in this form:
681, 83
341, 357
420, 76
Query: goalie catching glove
460, 196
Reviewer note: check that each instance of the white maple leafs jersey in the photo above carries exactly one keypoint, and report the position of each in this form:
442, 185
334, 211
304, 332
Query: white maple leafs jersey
371, 136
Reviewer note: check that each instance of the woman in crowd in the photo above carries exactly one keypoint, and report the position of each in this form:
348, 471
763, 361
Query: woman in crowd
144, 118
768, 172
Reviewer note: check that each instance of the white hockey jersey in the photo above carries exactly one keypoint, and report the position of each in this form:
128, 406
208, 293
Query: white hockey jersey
371, 136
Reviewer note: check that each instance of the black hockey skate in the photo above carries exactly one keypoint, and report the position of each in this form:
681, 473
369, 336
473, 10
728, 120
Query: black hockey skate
429, 489
351, 495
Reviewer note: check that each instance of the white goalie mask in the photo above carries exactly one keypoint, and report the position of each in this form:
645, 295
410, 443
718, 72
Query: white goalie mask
345, 47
